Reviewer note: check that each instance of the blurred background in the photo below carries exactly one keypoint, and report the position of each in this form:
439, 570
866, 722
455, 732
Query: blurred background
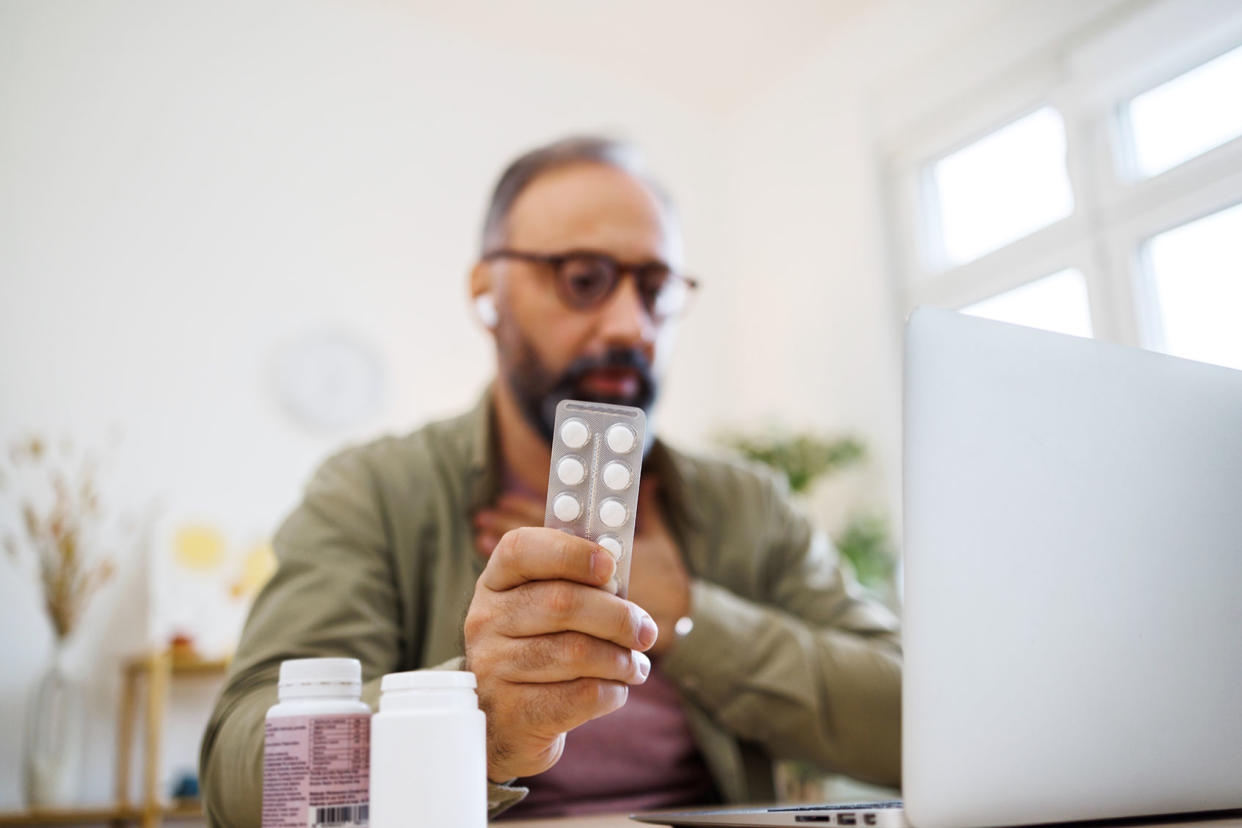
234, 236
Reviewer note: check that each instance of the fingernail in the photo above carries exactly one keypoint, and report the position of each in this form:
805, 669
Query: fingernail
602, 565
648, 632
643, 663
612, 586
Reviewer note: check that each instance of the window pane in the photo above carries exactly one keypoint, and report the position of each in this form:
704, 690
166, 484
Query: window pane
1197, 272
1188, 115
1055, 303
1003, 187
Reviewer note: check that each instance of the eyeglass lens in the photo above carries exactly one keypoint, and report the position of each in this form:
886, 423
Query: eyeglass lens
587, 280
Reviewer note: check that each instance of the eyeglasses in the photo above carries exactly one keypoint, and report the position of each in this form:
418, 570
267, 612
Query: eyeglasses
586, 278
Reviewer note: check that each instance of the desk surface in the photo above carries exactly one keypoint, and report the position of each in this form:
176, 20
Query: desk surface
609, 821
623, 821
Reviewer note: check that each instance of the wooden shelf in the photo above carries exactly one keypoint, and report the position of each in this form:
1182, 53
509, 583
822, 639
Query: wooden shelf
179, 663
156, 669
190, 809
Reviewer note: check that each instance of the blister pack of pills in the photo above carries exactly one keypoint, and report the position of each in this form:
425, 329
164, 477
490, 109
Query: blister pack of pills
597, 455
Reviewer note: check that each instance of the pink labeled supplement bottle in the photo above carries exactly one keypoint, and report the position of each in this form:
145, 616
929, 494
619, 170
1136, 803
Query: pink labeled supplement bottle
317, 747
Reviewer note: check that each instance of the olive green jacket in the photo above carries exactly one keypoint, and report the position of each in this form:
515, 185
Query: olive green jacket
784, 660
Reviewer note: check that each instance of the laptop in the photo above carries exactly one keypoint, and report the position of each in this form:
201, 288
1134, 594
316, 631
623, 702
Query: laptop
1073, 585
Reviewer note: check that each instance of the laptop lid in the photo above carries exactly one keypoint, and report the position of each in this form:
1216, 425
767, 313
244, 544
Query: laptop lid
1073, 578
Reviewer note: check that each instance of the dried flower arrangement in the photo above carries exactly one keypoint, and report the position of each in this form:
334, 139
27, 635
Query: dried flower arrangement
58, 528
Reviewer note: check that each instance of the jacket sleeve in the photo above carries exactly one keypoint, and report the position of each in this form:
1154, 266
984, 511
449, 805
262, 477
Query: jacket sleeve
333, 594
792, 657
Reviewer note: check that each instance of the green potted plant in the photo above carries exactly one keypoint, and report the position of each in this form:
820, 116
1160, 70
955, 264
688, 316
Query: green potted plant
806, 459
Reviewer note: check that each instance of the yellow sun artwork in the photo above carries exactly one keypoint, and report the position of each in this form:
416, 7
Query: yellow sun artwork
198, 548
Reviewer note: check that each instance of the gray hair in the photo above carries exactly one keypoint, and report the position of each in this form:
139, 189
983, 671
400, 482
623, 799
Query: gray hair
579, 149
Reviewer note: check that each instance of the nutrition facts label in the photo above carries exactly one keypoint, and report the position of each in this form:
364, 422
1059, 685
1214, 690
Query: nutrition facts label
316, 771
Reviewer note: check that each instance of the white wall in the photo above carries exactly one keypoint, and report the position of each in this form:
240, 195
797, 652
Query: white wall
185, 187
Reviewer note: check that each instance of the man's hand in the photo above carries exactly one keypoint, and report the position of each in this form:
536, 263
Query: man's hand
659, 582
551, 650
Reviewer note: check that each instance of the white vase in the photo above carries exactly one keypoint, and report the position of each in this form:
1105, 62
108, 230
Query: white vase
55, 736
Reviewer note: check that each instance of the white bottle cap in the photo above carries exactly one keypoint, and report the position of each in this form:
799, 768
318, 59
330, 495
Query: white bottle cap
320, 677
566, 507
620, 438
574, 433
428, 680
612, 512
570, 471
428, 690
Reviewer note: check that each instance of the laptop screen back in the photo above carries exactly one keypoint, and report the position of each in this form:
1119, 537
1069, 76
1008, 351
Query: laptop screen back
1073, 578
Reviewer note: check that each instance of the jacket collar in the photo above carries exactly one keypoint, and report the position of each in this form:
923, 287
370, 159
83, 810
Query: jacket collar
482, 453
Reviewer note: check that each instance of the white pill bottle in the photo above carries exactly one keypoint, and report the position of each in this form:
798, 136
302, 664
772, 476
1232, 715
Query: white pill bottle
317, 746
428, 752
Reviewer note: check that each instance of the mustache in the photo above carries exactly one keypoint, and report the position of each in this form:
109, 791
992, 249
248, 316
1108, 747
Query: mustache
613, 358
569, 385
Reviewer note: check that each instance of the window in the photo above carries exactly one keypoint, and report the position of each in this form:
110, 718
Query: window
1196, 273
1054, 303
1112, 208
1187, 116
1002, 187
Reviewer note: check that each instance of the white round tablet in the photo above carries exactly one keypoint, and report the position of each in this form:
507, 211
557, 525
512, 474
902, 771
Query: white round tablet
574, 433
616, 476
570, 471
566, 507
612, 512
612, 544
620, 438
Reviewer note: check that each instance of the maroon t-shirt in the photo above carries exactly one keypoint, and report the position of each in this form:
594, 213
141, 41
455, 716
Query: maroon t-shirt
638, 758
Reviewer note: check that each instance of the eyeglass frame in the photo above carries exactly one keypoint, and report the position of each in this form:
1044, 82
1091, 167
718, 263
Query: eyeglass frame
557, 260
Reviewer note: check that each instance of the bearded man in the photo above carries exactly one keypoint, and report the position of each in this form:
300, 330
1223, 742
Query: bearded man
741, 641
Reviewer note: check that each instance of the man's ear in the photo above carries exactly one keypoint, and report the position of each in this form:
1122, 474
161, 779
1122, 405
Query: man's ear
481, 295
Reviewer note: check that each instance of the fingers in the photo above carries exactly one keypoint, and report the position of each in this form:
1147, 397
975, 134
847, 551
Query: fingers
509, 512
545, 607
484, 544
566, 705
566, 656
522, 508
527, 722
539, 554
490, 526
487, 535
543, 710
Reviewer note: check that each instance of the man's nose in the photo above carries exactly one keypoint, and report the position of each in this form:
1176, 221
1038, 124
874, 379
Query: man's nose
624, 320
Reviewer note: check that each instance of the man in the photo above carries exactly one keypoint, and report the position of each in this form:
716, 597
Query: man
741, 641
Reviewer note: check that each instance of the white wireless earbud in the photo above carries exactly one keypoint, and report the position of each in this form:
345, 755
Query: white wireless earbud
485, 307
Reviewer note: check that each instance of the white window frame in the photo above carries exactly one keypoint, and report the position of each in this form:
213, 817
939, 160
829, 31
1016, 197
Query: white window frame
1088, 79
